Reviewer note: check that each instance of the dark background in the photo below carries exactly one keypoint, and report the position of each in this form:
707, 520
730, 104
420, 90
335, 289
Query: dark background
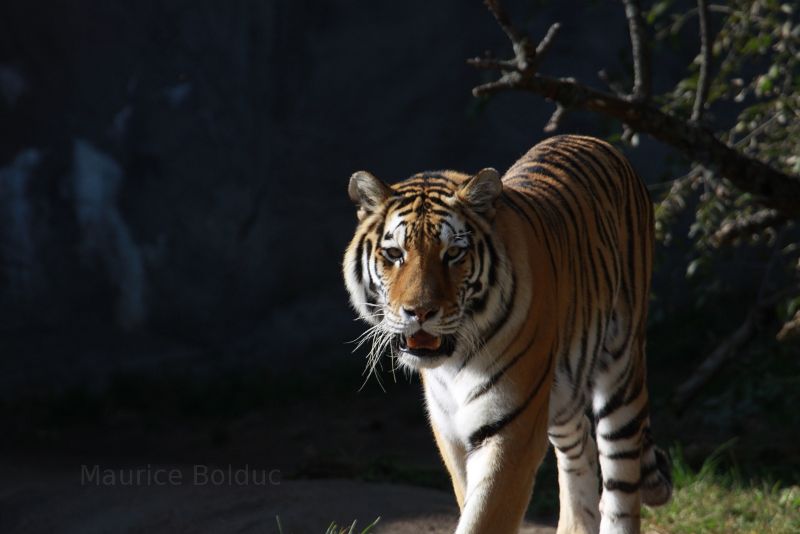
173, 195
193, 159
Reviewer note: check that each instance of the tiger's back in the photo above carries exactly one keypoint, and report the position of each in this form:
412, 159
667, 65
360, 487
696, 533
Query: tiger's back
591, 214
599, 231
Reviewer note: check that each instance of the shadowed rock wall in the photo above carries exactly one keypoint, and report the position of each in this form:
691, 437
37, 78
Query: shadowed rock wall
187, 161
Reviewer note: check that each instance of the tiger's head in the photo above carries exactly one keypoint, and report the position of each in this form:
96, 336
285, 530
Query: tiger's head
422, 263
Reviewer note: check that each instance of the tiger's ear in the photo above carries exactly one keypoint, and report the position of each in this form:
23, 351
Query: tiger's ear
367, 192
481, 191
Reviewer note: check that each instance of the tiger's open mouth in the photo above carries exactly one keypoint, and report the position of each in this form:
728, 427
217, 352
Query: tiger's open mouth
425, 345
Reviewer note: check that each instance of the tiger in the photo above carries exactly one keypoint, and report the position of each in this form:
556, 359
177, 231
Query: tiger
522, 303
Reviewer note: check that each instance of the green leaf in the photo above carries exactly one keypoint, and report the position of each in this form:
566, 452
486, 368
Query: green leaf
658, 9
693, 266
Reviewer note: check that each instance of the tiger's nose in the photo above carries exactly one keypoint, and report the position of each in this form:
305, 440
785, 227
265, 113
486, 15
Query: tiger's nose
420, 313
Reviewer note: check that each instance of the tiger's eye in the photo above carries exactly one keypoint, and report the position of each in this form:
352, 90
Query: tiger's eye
453, 252
392, 253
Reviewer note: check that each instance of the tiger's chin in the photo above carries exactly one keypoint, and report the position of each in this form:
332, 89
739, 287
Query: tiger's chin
414, 358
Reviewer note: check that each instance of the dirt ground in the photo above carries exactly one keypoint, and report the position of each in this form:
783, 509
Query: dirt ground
36, 501
338, 457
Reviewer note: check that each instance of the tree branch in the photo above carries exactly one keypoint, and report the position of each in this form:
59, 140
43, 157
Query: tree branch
790, 329
526, 59
772, 187
726, 350
642, 85
729, 348
703, 80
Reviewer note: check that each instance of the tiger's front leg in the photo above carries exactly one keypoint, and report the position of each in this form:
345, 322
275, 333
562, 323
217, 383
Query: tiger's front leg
500, 476
454, 455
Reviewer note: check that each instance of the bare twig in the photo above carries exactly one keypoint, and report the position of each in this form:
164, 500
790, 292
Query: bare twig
502, 18
524, 52
490, 63
615, 87
629, 136
555, 119
547, 40
526, 59
642, 85
770, 186
703, 80
790, 329
747, 226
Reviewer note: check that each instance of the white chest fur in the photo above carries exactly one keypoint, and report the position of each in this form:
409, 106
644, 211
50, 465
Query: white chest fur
453, 406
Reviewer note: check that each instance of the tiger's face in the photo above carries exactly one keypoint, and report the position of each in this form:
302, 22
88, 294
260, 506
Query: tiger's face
419, 265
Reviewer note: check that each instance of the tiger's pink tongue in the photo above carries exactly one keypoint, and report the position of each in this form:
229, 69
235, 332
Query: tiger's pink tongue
424, 340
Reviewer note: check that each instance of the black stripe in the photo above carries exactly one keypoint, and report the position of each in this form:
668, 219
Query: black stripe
565, 366
486, 386
559, 419
439, 202
434, 176
619, 398
604, 174
632, 454
561, 200
501, 320
579, 169
371, 282
447, 223
573, 444
505, 197
440, 212
498, 322
423, 189
360, 259
648, 470
576, 156
630, 429
480, 250
613, 484
578, 454
493, 261
405, 201
485, 432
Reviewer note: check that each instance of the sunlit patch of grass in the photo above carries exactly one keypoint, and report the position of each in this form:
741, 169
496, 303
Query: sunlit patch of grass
333, 528
714, 501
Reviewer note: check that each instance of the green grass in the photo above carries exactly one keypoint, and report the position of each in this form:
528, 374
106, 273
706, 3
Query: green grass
333, 528
715, 501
